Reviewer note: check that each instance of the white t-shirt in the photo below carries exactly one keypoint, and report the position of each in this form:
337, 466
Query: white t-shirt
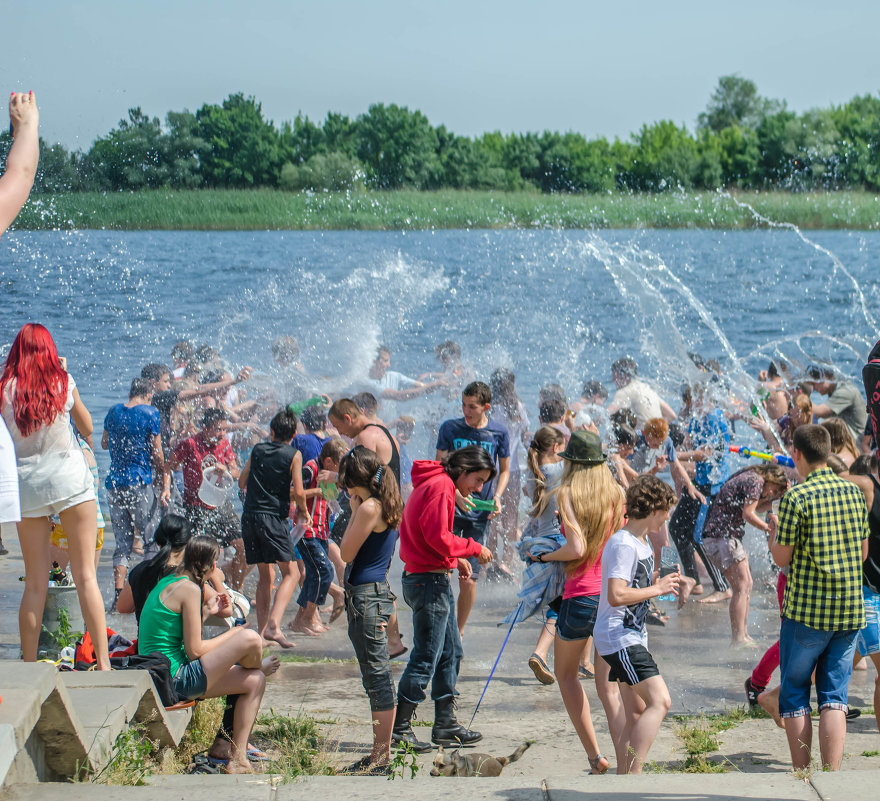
640, 398
10, 508
515, 429
617, 627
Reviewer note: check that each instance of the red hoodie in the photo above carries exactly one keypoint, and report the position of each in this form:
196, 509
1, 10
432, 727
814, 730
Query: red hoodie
426, 539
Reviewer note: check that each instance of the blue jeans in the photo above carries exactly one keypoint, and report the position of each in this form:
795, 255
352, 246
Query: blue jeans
319, 571
436, 650
802, 649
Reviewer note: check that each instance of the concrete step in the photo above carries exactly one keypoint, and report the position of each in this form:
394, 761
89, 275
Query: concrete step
49, 739
167, 788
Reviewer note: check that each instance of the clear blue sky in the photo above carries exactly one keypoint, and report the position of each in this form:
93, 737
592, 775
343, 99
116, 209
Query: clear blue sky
597, 68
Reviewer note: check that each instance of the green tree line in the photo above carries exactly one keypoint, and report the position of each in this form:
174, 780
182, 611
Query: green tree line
742, 140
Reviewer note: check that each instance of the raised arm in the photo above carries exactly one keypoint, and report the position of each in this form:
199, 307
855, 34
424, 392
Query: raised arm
21, 163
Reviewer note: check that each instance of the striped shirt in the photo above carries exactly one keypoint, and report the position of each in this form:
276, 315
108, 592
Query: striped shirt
317, 506
825, 520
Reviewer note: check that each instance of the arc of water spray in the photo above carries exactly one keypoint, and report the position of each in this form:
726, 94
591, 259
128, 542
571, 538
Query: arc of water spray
838, 265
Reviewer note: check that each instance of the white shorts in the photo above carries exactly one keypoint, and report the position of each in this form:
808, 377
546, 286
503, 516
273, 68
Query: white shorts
59, 506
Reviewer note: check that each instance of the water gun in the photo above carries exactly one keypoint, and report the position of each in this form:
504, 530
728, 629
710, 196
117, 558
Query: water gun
482, 506
299, 408
786, 461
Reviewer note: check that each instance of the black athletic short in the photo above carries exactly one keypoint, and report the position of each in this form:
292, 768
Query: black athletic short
266, 539
631, 665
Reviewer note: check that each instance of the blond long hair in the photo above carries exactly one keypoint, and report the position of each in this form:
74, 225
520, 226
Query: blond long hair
597, 501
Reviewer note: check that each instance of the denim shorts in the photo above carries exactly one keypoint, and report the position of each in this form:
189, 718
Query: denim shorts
802, 649
475, 530
577, 616
868, 641
190, 680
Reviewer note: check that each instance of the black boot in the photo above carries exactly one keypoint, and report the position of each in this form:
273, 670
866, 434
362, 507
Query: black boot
403, 731
447, 730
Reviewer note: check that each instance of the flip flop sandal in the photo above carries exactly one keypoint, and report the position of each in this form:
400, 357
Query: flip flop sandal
256, 755
337, 611
204, 764
399, 653
594, 765
583, 673
180, 705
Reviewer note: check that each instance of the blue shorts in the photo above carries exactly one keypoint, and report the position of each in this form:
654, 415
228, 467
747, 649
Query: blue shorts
803, 649
868, 640
190, 680
577, 617
475, 530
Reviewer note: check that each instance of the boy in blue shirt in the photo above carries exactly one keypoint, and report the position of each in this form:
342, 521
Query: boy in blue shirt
475, 428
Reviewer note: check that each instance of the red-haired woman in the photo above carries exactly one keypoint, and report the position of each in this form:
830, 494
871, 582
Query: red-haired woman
38, 398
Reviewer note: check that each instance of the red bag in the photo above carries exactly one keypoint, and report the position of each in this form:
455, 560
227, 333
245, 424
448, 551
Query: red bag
116, 644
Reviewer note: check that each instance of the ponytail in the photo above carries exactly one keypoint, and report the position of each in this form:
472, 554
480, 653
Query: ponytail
361, 467
545, 438
172, 535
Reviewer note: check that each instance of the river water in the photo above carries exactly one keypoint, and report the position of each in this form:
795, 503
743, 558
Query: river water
552, 305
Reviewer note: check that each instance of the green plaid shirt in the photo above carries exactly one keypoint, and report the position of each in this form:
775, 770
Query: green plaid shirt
825, 520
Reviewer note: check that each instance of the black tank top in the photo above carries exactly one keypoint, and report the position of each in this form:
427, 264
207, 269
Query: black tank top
394, 461
268, 484
871, 566
371, 562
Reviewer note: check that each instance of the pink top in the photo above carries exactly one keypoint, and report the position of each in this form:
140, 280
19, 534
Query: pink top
587, 581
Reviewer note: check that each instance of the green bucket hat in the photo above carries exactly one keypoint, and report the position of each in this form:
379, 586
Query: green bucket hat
584, 447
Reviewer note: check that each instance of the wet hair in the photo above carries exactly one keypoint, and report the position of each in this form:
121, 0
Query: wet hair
597, 502
172, 534
836, 464
814, 442
502, 383
314, 418
772, 473
366, 402
154, 371
646, 495
551, 391
592, 388
624, 417
545, 438
478, 390
864, 465
285, 349
211, 377
625, 435
841, 438
334, 448
383, 349
697, 359
361, 467
405, 425
470, 459
283, 425
212, 416
772, 371
625, 367
714, 365
817, 372
676, 434
656, 428
345, 406
140, 388
41, 382
205, 353
447, 351
551, 410
182, 351
199, 557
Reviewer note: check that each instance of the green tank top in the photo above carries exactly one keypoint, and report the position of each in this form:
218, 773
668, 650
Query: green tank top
160, 629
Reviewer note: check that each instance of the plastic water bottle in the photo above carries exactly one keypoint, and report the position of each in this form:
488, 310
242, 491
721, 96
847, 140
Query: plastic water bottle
668, 564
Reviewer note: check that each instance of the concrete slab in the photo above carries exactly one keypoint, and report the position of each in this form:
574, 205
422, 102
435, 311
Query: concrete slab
680, 787
843, 786
8, 749
62, 737
97, 706
20, 711
17, 675
370, 788
227, 787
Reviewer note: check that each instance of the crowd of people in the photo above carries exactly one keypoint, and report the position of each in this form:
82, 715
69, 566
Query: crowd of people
209, 479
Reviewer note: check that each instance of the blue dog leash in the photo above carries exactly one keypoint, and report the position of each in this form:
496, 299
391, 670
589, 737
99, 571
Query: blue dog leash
497, 660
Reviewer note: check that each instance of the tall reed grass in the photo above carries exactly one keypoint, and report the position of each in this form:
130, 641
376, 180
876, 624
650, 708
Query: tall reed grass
262, 209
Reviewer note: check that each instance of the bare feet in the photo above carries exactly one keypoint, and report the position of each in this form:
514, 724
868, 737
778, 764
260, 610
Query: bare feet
769, 701
685, 588
745, 642
697, 590
302, 628
276, 637
270, 665
239, 767
715, 597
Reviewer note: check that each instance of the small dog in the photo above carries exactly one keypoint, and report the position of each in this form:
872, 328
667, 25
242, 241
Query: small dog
458, 764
